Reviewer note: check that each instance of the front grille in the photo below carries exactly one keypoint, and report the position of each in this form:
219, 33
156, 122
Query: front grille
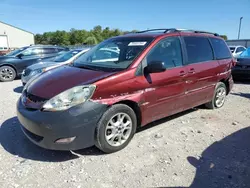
27, 72
31, 135
34, 98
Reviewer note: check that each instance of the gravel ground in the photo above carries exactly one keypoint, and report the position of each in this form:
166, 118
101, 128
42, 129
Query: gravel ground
198, 148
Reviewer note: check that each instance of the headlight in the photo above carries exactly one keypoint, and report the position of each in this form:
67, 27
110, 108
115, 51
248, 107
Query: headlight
37, 71
69, 98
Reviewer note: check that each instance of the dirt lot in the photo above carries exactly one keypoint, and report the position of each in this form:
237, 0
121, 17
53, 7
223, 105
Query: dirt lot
198, 148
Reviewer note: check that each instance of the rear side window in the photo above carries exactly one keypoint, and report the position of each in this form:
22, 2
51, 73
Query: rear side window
220, 48
168, 51
49, 50
198, 49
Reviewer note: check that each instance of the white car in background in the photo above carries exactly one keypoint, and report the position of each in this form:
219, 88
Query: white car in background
63, 59
237, 50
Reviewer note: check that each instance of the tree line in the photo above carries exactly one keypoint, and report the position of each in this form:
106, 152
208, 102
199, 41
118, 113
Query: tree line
80, 37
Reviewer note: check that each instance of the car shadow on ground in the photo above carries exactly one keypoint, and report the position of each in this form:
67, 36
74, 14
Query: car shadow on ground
245, 95
245, 82
225, 163
14, 141
18, 89
164, 120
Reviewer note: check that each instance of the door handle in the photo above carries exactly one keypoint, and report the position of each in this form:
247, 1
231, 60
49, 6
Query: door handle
182, 73
191, 71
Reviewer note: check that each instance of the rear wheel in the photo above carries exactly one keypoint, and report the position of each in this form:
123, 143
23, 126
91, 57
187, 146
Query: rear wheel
7, 74
116, 128
219, 97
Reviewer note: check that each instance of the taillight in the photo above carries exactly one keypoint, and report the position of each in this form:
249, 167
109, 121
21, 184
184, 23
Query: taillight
234, 62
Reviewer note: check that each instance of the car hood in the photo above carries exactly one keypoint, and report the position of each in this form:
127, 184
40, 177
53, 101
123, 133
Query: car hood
55, 81
44, 65
243, 61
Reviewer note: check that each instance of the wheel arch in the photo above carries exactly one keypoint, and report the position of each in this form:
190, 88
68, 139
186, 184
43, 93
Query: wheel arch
12, 66
226, 82
135, 107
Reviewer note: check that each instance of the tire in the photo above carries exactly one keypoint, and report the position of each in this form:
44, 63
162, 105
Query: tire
214, 104
105, 128
7, 74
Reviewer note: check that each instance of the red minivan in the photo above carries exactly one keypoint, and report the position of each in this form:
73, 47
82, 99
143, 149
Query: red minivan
124, 83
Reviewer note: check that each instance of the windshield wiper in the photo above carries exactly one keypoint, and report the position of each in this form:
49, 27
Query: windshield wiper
86, 67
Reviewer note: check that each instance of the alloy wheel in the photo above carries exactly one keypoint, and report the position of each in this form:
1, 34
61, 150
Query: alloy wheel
118, 129
6, 74
220, 97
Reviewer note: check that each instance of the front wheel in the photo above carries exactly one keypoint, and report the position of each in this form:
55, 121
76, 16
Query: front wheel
116, 128
219, 97
7, 74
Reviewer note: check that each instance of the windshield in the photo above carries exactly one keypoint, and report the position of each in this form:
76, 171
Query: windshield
66, 56
245, 53
15, 52
232, 49
113, 54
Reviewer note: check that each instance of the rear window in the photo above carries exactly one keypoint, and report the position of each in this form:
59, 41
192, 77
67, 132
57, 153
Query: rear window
198, 49
220, 48
49, 50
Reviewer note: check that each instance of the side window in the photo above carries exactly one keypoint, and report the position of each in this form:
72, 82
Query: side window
32, 52
198, 49
60, 49
220, 48
49, 51
240, 49
168, 51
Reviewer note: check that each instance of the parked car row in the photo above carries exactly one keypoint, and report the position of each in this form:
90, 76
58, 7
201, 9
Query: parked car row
62, 59
22, 62
13, 64
121, 84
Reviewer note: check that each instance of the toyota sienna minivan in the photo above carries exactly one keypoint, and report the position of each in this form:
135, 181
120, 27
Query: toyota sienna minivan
106, 94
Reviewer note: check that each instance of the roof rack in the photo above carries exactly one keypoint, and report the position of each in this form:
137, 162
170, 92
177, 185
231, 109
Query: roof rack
173, 30
150, 30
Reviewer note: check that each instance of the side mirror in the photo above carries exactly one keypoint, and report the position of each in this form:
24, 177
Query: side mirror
155, 67
20, 56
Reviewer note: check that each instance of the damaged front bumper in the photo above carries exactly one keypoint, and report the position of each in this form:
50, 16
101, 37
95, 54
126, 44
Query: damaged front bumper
71, 129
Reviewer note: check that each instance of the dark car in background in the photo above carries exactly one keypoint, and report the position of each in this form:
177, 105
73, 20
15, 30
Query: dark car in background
242, 69
13, 64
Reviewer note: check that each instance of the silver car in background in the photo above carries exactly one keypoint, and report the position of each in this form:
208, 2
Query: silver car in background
237, 50
63, 59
